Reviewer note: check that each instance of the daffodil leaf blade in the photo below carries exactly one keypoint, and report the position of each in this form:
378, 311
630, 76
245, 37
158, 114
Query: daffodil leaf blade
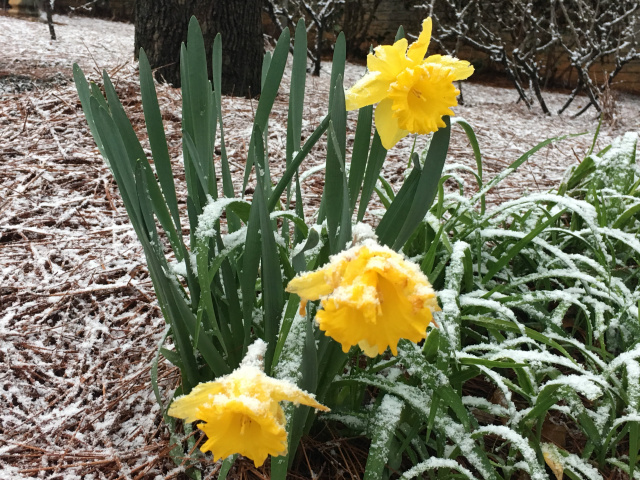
271, 275
337, 66
85, 95
377, 154
297, 161
296, 93
361, 144
157, 138
271, 84
428, 185
198, 111
336, 190
393, 219
382, 430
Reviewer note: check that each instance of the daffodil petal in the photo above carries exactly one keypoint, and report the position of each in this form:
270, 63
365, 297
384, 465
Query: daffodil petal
418, 49
341, 322
310, 286
398, 318
370, 89
421, 96
185, 407
291, 393
389, 60
461, 68
387, 125
401, 45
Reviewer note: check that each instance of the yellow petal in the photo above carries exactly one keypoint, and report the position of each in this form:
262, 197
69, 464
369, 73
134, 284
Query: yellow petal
418, 49
389, 60
311, 285
398, 318
461, 68
387, 125
401, 46
242, 412
185, 407
279, 390
370, 89
346, 325
379, 298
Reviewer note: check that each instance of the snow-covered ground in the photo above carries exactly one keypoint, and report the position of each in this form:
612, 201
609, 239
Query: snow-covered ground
79, 324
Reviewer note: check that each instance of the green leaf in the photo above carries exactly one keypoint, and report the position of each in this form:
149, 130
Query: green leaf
227, 181
468, 130
84, 93
384, 423
428, 184
272, 285
337, 66
158, 139
296, 162
634, 446
296, 93
198, 112
377, 154
512, 168
393, 218
336, 193
360, 153
268, 97
520, 244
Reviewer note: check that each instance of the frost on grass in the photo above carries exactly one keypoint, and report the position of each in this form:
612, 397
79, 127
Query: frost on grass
288, 367
436, 463
533, 468
382, 427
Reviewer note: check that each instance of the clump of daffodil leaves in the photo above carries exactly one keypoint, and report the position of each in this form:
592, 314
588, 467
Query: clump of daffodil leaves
413, 93
371, 296
271, 321
232, 309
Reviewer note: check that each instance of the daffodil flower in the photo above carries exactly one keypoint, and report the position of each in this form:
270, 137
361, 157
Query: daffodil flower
413, 93
371, 297
242, 410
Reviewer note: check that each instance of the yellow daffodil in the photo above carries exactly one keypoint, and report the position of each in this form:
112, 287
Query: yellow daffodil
371, 297
413, 93
242, 411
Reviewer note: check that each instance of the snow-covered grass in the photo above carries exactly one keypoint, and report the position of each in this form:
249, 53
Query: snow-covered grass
79, 324
538, 348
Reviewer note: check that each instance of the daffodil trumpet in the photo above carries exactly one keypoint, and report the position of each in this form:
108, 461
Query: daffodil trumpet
413, 93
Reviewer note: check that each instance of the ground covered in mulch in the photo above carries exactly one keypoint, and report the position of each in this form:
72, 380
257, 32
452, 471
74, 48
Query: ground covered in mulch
79, 324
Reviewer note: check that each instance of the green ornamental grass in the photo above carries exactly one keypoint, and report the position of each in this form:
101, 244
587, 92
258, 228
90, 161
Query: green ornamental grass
533, 369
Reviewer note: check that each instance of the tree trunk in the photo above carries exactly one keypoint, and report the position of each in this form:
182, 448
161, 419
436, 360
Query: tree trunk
161, 26
48, 8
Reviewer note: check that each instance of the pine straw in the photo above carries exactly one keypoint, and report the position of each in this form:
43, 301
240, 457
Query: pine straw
79, 323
